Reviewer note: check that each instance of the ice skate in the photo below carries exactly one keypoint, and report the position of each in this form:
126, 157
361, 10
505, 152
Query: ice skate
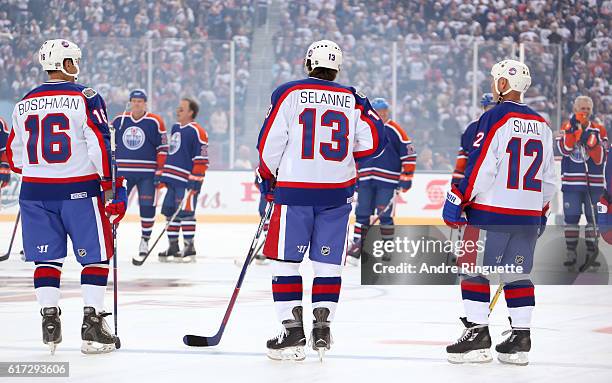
591, 264
473, 346
143, 250
173, 251
515, 349
51, 327
289, 344
261, 259
320, 339
571, 259
354, 254
188, 255
95, 333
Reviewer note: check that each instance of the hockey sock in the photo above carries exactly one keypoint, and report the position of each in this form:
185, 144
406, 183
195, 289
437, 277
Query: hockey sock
387, 232
173, 229
287, 288
590, 236
476, 293
326, 286
359, 231
188, 226
572, 232
94, 277
147, 218
47, 282
520, 299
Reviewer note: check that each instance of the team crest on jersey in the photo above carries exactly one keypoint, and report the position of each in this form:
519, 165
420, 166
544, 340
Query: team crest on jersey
89, 93
577, 155
133, 138
175, 143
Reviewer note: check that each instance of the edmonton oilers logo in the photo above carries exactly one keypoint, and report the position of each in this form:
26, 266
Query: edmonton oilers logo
133, 138
175, 143
577, 155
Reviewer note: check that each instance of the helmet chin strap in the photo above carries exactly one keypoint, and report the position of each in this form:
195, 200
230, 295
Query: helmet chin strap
501, 94
75, 75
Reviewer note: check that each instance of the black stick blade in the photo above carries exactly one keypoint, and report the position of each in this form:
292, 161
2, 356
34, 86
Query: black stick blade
199, 341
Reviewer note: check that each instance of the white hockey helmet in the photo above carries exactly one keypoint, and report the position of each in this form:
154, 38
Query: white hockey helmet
323, 54
515, 72
52, 54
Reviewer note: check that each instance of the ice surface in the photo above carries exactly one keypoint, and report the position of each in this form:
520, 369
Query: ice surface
381, 334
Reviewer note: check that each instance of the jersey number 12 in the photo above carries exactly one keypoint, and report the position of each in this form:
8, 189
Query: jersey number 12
532, 148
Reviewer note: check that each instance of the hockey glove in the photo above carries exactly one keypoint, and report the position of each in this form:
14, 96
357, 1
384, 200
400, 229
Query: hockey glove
543, 220
574, 125
266, 186
115, 209
405, 182
195, 183
453, 209
157, 177
604, 218
590, 138
5, 175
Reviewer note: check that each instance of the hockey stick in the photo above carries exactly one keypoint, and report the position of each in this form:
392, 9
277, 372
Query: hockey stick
495, 297
8, 253
114, 190
375, 221
589, 262
136, 262
204, 341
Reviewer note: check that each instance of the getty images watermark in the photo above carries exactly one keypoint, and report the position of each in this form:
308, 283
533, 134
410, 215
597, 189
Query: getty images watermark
434, 255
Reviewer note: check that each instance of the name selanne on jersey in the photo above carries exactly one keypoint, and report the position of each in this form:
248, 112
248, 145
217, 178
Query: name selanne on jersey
314, 132
510, 175
60, 142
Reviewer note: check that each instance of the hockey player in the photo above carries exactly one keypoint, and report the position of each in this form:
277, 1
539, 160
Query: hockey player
182, 175
604, 207
582, 144
470, 139
314, 131
378, 178
509, 180
60, 143
142, 148
5, 171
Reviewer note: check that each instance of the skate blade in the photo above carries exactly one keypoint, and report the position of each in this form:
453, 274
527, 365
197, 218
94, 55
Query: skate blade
518, 358
166, 259
321, 352
474, 356
289, 353
52, 347
91, 347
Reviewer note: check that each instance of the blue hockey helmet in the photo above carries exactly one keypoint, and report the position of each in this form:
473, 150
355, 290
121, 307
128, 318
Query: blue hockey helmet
138, 93
487, 100
380, 103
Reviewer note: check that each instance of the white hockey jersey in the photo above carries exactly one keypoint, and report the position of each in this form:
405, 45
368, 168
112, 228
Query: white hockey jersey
510, 176
314, 132
60, 142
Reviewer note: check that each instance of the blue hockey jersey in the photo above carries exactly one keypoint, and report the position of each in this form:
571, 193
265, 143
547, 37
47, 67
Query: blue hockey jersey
4, 133
187, 154
399, 157
470, 139
142, 145
573, 168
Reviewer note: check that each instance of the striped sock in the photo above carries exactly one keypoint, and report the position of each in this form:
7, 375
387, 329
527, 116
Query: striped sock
94, 278
572, 232
188, 226
147, 219
47, 277
520, 299
287, 292
174, 228
476, 293
326, 292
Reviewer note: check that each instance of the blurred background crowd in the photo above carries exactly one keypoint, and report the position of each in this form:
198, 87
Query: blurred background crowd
182, 47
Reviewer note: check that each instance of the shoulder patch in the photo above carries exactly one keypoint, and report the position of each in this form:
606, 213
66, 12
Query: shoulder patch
360, 94
89, 92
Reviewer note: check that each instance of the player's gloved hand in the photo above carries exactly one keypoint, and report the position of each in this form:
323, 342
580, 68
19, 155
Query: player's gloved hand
405, 182
157, 177
266, 185
543, 221
453, 209
590, 138
115, 209
604, 218
5, 175
574, 125
195, 183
